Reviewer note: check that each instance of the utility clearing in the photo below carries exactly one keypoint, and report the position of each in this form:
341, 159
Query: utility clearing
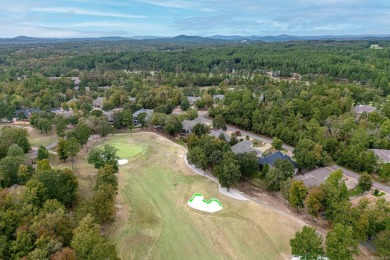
154, 220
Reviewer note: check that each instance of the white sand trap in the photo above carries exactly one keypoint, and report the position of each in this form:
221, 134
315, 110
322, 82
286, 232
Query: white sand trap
198, 202
122, 162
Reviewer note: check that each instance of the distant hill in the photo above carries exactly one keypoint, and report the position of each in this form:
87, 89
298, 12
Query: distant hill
194, 39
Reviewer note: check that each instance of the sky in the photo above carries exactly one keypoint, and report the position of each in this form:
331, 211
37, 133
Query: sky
128, 18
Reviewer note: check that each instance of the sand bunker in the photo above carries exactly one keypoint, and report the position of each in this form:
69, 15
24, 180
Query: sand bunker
198, 202
122, 161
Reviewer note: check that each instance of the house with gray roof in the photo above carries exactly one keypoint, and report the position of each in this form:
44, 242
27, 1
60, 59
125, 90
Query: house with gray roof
188, 125
98, 102
110, 114
192, 100
383, 155
132, 99
272, 158
26, 113
218, 97
360, 109
218, 133
244, 146
62, 112
149, 113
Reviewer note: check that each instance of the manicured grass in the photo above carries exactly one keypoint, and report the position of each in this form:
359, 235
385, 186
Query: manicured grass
155, 222
125, 149
355, 192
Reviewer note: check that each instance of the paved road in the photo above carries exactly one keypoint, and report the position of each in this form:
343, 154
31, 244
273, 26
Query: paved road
349, 173
261, 138
34, 153
356, 176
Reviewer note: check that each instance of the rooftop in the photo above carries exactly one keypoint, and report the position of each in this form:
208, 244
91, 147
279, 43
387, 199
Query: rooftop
244, 147
217, 133
272, 158
360, 109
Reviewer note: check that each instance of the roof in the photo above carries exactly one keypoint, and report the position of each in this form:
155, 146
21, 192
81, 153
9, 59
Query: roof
217, 133
143, 110
244, 147
27, 111
132, 99
189, 124
364, 108
193, 99
98, 101
272, 158
383, 155
218, 96
110, 114
64, 113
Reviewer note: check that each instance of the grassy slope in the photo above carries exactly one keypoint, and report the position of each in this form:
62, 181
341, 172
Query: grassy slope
155, 222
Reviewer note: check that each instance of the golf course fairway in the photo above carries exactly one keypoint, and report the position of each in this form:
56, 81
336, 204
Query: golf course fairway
154, 221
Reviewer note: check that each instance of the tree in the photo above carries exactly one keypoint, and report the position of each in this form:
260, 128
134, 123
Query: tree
365, 182
384, 172
219, 123
60, 128
15, 150
172, 125
89, 244
307, 244
249, 165
306, 155
382, 243
11, 135
66, 253
340, 243
184, 104
286, 167
106, 156
61, 149
143, 120
200, 129
197, 157
104, 128
72, 148
61, 185
229, 171
43, 153
82, 134
277, 143
103, 201
298, 193
273, 179
285, 189
315, 201
8, 170
43, 165
192, 114
45, 125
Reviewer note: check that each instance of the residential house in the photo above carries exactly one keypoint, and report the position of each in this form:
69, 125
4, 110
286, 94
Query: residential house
272, 158
148, 112
132, 99
383, 155
192, 100
360, 109
218, 97
218, 133
110, 114
98, 102
189, 124
245, 146
25, 113
62, 112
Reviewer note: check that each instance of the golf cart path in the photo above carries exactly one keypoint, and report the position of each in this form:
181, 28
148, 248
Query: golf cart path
239, 194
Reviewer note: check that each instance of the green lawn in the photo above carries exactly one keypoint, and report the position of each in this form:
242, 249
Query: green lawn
355, 192
125, 149
155, 222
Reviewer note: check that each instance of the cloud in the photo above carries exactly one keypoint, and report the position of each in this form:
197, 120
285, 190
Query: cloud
78, 11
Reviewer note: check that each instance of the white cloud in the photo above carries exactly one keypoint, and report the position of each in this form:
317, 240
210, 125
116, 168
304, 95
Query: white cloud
78, 11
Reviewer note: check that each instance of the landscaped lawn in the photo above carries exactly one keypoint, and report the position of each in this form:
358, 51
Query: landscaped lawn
355, 192
37, 138
155, 222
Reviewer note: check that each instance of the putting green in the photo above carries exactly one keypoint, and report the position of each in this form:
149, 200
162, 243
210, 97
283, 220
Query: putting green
125, 149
